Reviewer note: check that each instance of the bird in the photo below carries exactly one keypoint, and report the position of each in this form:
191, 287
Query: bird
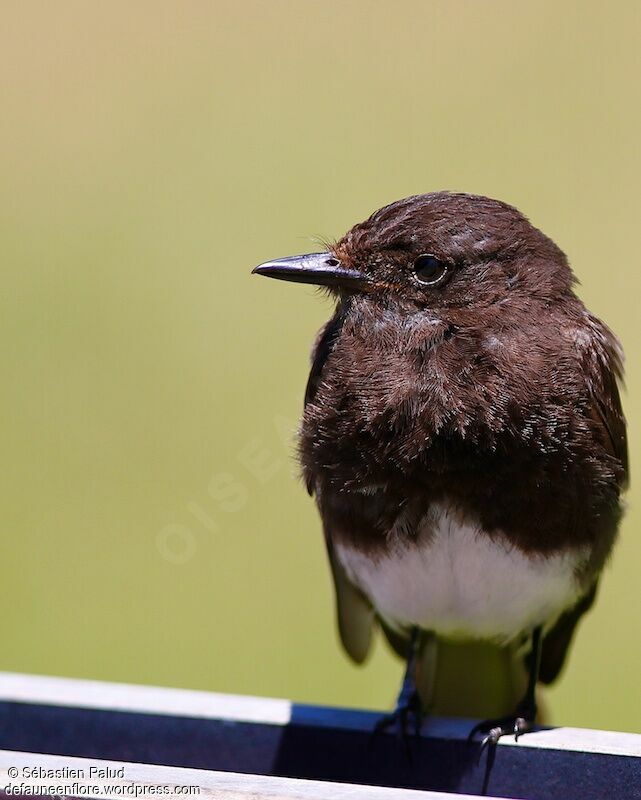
464, 441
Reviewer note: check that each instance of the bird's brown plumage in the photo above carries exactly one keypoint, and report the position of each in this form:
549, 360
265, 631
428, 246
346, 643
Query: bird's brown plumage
497, 391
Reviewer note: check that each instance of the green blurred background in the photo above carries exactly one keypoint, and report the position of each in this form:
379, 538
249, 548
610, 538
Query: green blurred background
154, 529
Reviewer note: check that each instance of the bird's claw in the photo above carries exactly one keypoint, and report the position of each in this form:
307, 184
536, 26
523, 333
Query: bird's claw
407, 712
521, 725
491, 739
496, 728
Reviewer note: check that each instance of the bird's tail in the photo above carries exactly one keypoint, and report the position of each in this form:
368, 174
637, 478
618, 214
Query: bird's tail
469, 679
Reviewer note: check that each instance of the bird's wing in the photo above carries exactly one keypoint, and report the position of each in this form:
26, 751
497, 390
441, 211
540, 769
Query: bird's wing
557, 641
602, 364
354, 612
320, 351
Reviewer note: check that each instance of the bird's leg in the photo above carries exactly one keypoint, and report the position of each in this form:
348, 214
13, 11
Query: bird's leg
408, 705
522, 720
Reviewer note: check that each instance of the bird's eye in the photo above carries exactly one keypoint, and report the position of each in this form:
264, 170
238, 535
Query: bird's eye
430, 270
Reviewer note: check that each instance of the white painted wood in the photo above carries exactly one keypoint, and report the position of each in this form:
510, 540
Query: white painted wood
143, 699
220, 785
209, 705
584, 740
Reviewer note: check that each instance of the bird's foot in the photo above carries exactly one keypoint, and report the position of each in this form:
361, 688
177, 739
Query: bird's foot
406, 718
522, 721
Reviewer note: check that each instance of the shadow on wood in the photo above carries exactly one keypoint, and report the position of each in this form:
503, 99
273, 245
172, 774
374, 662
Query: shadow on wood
268, 737
305, 750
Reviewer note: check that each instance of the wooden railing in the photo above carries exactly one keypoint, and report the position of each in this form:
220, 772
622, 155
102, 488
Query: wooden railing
231, 747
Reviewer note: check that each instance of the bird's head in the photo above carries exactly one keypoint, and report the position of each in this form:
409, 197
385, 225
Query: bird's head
436, 251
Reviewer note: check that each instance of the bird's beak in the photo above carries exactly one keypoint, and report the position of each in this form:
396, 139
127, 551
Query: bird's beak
321, 269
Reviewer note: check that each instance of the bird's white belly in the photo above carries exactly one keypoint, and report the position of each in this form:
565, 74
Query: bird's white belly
457, 581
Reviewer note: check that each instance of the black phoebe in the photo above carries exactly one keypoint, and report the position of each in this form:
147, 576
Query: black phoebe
463, 437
